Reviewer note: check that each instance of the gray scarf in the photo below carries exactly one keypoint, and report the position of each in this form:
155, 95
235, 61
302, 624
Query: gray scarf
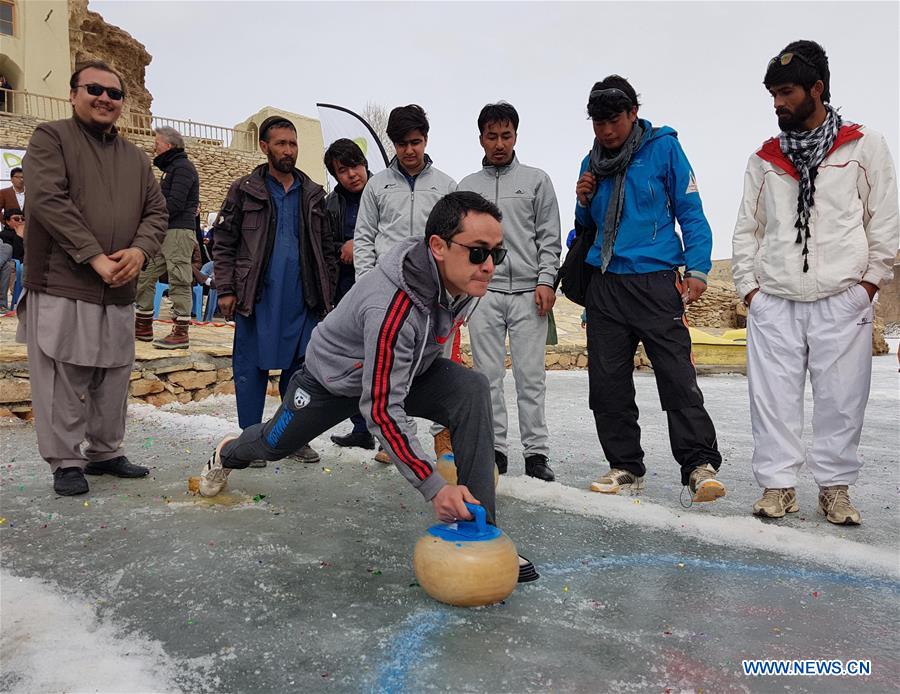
603, 164
806, 150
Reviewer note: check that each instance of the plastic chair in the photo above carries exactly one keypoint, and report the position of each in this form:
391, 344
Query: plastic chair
17, 287
212, 302
160, 288
197, 299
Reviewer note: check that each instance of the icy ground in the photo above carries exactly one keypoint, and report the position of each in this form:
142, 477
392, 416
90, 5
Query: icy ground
298, 578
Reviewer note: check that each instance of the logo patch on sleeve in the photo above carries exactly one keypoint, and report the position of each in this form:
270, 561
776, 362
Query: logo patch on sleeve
692, 185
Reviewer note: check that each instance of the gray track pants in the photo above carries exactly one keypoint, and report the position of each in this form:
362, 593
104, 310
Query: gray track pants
516, 314
447, 393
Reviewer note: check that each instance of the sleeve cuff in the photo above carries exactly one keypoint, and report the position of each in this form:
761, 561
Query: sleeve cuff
697, 275
431, 485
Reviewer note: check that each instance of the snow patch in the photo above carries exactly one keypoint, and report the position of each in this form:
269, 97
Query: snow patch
52, 642
730, 531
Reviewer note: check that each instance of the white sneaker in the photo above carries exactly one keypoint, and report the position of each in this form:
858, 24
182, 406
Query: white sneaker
617, 480
214, 477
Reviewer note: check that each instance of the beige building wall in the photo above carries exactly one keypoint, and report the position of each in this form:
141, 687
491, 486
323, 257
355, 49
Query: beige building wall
309, 139
41, 64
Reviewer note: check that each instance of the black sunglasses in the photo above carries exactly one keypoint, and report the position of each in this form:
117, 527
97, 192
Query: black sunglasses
479, 254
98, 89
786, 58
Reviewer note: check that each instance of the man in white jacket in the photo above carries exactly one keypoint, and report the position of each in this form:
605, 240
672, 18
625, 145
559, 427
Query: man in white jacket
815, 239
521, 294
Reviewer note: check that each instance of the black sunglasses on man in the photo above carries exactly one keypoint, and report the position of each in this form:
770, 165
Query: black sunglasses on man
98, 89
479, 254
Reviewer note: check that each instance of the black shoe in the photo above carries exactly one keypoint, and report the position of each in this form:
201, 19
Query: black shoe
501, 461
120, 467
357, 439
527, 572
536, 466
69, 481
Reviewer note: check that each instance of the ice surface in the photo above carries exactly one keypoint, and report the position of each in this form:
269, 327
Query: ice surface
298, 577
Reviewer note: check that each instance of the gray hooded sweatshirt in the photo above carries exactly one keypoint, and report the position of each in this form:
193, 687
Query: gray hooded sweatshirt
391, 210
527, 200
388, 329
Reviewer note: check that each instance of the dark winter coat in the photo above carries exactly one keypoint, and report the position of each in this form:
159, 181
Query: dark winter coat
180, 186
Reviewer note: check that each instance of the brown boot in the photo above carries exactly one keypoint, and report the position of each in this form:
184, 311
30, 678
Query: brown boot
143, 326
442, 443
178, 338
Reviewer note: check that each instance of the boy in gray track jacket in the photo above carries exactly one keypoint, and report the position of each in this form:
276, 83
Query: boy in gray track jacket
396, 203
521, 294
379, 353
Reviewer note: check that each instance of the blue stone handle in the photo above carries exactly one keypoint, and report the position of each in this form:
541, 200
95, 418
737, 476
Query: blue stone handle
480, 516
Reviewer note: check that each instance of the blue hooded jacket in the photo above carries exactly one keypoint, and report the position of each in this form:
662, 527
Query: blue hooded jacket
659, 188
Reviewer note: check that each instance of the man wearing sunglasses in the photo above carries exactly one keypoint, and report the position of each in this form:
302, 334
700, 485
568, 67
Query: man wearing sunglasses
95, 215
815, 238
521, 293
379, 353
635, 183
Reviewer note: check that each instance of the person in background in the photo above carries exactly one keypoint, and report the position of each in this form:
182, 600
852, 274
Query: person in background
815, 239
13, 197
346, 162
520, 296
275, 270
95, 216
634, 185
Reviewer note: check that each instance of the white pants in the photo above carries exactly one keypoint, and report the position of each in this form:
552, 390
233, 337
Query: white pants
832, 339
498, 314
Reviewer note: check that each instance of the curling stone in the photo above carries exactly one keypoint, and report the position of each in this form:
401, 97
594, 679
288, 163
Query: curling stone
446, 467
466, 563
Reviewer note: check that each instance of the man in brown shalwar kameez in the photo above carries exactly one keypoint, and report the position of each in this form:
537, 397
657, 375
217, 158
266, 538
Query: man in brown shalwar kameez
95, 215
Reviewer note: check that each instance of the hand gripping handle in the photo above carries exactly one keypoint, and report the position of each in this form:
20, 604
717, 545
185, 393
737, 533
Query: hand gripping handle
480, 516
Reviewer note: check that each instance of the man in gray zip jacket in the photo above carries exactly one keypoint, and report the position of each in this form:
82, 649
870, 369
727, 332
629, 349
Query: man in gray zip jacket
521, 294
379, 353
396, 203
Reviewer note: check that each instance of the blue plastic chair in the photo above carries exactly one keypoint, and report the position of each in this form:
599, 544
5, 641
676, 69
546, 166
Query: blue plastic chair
197, 307
17, 287
212, 302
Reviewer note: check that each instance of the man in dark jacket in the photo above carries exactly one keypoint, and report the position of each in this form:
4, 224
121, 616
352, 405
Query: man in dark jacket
379, 353
181, 187
12, 248
95, 215
275, 269
346, 162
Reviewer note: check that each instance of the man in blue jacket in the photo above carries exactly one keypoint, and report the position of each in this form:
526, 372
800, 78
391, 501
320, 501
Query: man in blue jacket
635, 183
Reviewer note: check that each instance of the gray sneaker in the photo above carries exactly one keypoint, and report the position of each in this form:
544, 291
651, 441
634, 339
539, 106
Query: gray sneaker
776, 502
834, 502
617, 480
306, 454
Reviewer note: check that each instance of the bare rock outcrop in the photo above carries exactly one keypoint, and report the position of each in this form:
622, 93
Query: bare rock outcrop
91, 38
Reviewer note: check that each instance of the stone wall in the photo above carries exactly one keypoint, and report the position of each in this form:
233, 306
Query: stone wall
91, 38
218, 166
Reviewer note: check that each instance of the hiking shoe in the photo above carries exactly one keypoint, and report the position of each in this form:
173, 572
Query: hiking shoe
442, 443
704, 485
119, 467
537, 466
306, 454
355, 439
214, 477
617, 480
179, 338
383, 457
501, 461
776, 502
834, 502
69, 481
143, 326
